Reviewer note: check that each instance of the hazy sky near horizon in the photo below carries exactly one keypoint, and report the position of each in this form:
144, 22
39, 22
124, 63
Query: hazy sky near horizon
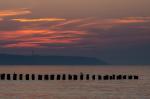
117, 31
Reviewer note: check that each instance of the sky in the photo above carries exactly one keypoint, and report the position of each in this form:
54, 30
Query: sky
116, 31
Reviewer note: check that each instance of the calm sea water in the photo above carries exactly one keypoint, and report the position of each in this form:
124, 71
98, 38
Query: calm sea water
138, 89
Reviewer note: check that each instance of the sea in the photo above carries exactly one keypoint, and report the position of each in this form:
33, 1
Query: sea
109, 89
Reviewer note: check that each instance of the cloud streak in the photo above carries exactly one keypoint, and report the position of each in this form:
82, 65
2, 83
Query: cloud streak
38, 38
39, 20
22, 45
14, 12
110, 23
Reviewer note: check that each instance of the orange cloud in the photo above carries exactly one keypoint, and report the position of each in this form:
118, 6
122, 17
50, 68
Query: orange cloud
20, 33
14, 12
39, 20
36, 38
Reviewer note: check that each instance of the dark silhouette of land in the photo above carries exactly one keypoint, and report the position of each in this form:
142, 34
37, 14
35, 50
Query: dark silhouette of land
6, 59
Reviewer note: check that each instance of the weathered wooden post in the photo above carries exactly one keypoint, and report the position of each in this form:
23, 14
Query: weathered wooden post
93, 77
136, 77
106, 77
14, 76
58, 77
124, 77
119, 77
87, 77
40, 77
81, 76
70, 77
99, 77
46, 77
20, 76
8, 76
130, 77
63, 77
27, 76
33, 76
52, 77
75, 77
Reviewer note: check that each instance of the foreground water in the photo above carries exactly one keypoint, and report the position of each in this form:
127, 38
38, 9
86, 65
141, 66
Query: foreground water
134, 89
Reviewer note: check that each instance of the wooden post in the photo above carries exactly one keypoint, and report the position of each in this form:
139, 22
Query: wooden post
8, 76
63, 77
119, 77
106, 77
27, 77
75, 77
99, 77
69, 77
93, 77
52, 77
33, 77
20, 76
81, 76
14, 76
87, 77
46, 77
40, 77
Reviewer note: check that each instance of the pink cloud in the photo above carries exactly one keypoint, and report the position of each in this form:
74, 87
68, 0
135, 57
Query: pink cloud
35, 38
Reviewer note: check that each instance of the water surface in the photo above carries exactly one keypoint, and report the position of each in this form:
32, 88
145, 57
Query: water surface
126, 89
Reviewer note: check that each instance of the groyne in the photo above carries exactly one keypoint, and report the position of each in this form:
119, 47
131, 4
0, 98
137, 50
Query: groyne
80, 76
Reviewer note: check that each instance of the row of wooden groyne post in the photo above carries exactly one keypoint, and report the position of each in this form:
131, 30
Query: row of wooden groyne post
80, 76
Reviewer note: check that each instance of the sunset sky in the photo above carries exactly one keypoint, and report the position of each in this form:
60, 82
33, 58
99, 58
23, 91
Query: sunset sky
116, 31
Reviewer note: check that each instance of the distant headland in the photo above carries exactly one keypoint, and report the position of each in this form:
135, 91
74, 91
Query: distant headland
8, 59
